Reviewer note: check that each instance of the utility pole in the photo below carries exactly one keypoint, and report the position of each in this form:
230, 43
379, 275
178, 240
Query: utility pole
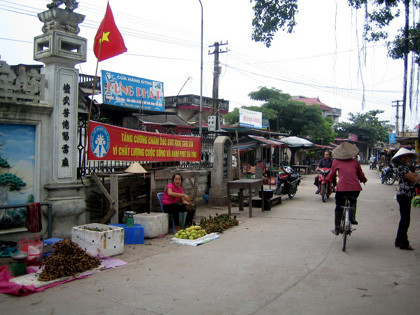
216, 74
397, 116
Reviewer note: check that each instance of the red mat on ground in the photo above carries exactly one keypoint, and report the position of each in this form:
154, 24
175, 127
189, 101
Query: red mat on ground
13, 288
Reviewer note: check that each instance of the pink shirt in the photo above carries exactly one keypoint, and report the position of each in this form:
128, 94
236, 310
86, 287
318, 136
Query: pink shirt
350, 175
166, 199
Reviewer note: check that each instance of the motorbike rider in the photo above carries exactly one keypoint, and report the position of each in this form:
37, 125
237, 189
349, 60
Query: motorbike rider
372, 162
326, 162
350, 175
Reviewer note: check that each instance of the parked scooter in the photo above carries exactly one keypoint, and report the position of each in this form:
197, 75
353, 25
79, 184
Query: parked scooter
287, 182
324, 186
388, 175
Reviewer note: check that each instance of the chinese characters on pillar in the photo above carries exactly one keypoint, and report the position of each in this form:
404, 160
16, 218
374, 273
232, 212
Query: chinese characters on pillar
66, 124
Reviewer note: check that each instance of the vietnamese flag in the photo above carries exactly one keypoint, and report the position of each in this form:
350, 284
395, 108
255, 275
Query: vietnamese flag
108, 40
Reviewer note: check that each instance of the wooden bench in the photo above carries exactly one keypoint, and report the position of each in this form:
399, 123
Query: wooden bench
256, 202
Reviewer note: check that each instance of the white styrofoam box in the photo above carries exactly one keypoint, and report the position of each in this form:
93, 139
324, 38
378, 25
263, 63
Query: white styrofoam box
153, 223
99, 239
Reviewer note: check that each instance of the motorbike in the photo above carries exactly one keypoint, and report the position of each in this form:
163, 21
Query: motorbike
287, 182
324, 186
388, 175
372, 163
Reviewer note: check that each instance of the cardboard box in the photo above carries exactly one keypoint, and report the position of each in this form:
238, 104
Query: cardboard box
153, 223
99, 239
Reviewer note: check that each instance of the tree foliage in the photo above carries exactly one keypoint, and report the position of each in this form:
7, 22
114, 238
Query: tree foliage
274, 15
12, 181
289, 116
270, 16
366, 126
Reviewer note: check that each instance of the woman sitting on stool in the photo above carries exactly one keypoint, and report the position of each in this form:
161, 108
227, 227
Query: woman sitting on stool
174, 200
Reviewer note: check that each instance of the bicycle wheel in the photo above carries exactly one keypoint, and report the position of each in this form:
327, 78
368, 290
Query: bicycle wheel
344, 241
343, 229
324, 192
346, 224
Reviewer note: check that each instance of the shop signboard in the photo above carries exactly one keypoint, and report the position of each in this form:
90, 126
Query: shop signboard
250, 119
265, 124
353, 137
392, 138
111, 143
132, 92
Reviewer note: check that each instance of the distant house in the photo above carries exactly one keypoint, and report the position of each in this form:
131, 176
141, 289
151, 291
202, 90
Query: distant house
327, 111
188, 107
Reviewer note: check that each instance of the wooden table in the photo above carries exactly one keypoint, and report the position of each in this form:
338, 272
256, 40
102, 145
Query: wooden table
242, 184
301, 167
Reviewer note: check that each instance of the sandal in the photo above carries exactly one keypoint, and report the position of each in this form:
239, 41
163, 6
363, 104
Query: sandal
408, 247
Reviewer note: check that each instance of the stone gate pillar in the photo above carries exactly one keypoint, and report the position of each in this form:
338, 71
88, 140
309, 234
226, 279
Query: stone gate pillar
60, 49
222, 170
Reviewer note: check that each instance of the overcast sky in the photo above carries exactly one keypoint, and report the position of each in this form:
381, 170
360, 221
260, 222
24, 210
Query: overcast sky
320, 59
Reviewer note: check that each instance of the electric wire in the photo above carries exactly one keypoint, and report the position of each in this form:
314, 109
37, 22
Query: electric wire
265, 66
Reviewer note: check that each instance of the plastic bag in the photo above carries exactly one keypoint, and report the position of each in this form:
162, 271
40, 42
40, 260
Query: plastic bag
34, 248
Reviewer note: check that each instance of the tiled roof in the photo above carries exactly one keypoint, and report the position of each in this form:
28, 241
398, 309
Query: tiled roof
311, 101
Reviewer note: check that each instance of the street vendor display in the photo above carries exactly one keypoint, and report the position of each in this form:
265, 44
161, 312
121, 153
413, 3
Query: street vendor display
68, 259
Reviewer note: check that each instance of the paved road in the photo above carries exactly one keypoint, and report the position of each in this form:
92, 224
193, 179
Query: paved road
283, 261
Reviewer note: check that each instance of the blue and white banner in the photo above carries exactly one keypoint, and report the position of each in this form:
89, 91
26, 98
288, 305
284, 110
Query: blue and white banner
250, 119
392, 137
132, 92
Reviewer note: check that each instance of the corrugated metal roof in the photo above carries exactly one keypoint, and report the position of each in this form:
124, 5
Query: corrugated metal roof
267, 141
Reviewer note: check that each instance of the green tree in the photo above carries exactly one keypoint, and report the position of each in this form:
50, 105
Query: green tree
293, 117
271, 16
366, 126
8, 181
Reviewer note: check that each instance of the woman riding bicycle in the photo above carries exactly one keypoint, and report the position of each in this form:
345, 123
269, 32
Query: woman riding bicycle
350, 175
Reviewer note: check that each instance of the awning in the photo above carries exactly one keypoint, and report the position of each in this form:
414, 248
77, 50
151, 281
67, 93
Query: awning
246, 145
267, 141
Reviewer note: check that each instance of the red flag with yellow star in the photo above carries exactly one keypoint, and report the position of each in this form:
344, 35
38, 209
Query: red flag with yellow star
108, 40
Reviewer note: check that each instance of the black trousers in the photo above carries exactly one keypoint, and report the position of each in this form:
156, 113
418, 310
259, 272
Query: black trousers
405, 210
175, 208
340, 199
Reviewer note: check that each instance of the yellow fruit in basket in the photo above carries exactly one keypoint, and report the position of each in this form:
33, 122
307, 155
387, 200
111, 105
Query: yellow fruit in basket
191, 237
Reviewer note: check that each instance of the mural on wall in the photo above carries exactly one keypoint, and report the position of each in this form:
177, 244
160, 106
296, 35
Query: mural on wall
17, 172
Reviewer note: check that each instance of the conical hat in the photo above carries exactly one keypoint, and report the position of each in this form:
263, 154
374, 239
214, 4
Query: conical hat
401, 152
345, 151
135, 168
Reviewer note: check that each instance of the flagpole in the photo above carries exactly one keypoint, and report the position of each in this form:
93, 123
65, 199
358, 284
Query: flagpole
110, 23
201, 76
91, 102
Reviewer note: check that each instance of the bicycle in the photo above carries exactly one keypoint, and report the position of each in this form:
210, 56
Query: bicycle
346, 219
